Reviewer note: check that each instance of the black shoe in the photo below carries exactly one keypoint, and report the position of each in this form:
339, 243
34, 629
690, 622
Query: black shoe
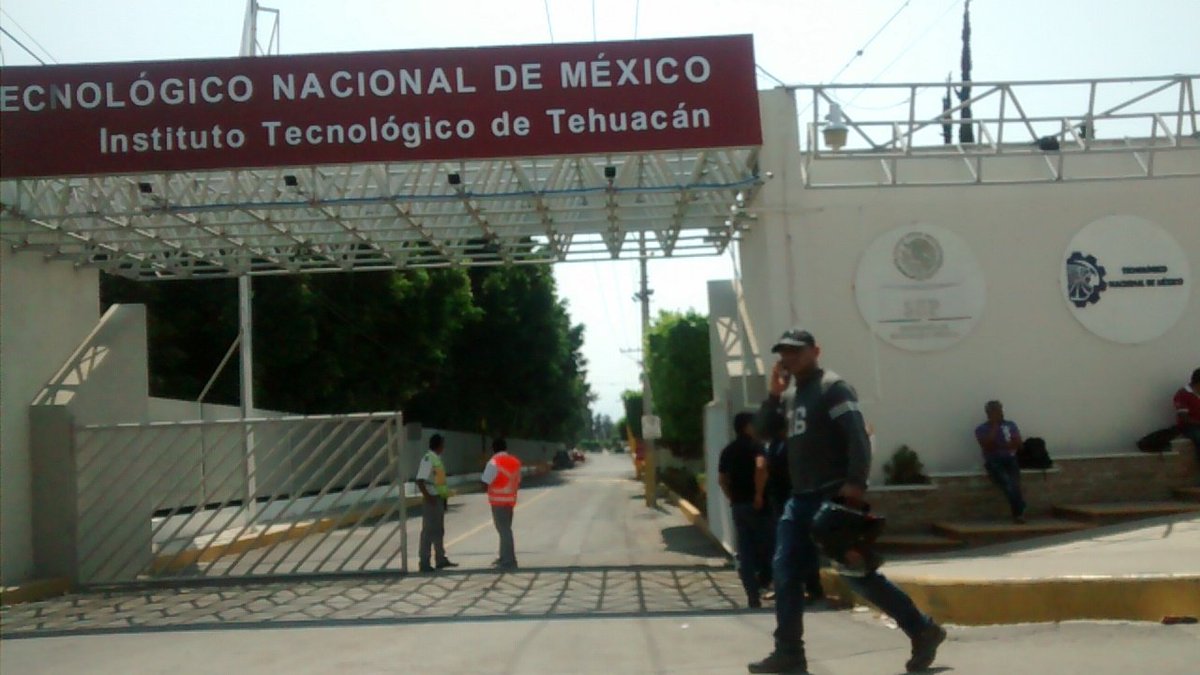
446, 563
425, 568
754, 603
780, 663
924, 648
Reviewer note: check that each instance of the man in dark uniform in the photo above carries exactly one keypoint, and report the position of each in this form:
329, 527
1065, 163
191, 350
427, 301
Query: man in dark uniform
829, 455
779, 491
742, 475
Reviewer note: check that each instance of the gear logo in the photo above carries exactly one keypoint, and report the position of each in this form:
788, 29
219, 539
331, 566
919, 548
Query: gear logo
1085, 279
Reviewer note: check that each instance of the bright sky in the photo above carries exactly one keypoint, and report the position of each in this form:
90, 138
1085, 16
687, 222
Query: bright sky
798, 41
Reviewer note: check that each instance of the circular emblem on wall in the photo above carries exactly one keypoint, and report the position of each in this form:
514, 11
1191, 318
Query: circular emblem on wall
1126, 279
920, 288
1085, 279
918, 255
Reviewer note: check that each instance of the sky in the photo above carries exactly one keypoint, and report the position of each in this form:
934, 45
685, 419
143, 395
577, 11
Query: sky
796, 41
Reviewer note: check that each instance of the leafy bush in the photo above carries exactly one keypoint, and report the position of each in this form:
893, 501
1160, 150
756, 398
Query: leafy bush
905, 468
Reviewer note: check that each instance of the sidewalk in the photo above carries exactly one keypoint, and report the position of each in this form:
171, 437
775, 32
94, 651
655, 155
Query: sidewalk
1139, 571
841, 643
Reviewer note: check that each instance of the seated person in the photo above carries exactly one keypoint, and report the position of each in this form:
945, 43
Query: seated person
1000, 439
1187, 411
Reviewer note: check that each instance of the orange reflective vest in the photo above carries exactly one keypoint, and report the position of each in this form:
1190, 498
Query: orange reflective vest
502, 491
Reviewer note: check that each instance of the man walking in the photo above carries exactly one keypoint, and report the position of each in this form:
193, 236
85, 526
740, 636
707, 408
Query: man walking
779, 490
1000, 439
829, 454
433, 505
503, 477
743, 478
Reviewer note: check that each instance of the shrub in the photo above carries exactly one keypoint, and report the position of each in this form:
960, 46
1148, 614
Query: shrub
905, 468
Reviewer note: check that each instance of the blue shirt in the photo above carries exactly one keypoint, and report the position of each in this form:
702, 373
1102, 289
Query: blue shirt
1002, 436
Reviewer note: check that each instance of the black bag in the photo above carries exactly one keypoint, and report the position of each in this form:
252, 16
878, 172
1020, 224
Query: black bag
1033, 454
1157, 441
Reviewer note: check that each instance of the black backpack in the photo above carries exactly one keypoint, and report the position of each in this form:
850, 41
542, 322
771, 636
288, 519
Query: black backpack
1033, 454
1157, 441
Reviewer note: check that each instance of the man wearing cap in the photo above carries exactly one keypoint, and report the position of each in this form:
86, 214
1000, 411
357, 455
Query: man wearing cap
829, 456
431, 481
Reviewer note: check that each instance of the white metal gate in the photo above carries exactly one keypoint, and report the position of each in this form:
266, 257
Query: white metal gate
244, 497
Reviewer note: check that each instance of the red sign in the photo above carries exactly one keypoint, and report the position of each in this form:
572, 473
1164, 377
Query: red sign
400, 106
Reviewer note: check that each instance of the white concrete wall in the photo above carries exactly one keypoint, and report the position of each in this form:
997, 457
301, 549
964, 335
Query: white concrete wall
46, 309
1083, 394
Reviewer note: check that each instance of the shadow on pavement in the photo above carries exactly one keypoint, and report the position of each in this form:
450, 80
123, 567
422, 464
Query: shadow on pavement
535, 593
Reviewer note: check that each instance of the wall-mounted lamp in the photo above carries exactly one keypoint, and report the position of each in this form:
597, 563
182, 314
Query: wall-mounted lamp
835, 129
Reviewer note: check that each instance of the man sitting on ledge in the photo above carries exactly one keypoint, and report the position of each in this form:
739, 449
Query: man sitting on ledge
1187, 411
1000, 439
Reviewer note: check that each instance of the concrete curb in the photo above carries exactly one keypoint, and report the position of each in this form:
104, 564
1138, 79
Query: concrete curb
968, 602
291, 531
32, 591
1008, 601
694, 517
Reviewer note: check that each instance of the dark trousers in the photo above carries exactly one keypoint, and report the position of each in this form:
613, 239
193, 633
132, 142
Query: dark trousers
796, 555
753, 528
1006, 474
502, 516
812, 578
433, 530
1192, 433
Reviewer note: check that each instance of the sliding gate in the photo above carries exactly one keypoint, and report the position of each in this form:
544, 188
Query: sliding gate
244, 497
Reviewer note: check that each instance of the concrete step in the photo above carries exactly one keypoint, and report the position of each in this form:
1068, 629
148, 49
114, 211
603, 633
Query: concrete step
991, 531
1187, 494
917, 543
1121, 511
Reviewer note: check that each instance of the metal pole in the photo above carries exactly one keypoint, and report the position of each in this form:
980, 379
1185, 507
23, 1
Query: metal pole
650, 473
245, 293
245, 325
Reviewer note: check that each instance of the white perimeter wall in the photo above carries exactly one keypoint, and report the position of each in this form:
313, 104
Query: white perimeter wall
1085, 395
46, 310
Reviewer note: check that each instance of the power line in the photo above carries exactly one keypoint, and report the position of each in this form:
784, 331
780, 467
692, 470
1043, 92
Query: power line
593, 20
28, 35
912, 43
769, 75
919, 38
868, 44
22, 45
549, 24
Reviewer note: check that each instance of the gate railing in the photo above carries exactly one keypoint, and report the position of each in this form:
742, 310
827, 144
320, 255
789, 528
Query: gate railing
243, 497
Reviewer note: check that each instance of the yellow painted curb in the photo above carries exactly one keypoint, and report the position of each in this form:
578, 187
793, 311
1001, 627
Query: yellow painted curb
32, 591
174, 562
694, 517
981, 603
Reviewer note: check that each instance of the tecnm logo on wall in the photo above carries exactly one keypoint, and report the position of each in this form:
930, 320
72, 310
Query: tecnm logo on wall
1126, 279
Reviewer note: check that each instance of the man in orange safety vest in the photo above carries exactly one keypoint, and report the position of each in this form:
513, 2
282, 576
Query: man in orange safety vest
503, 477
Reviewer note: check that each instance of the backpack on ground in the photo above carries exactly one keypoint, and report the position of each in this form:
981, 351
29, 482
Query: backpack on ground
1157, 441
1033, 454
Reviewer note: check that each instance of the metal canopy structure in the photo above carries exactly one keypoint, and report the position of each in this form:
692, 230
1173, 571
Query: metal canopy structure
1077, 130
363, 217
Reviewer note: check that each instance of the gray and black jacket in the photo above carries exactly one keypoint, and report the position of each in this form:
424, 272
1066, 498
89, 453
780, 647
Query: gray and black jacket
827, 436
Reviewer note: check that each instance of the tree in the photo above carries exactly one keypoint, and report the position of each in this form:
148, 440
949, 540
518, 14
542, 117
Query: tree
516, 369
602, 427
632, 401
490, 348
681, 378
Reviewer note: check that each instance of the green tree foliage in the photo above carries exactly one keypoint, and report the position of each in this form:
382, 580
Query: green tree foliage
680, 379
450, 348
632, 400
